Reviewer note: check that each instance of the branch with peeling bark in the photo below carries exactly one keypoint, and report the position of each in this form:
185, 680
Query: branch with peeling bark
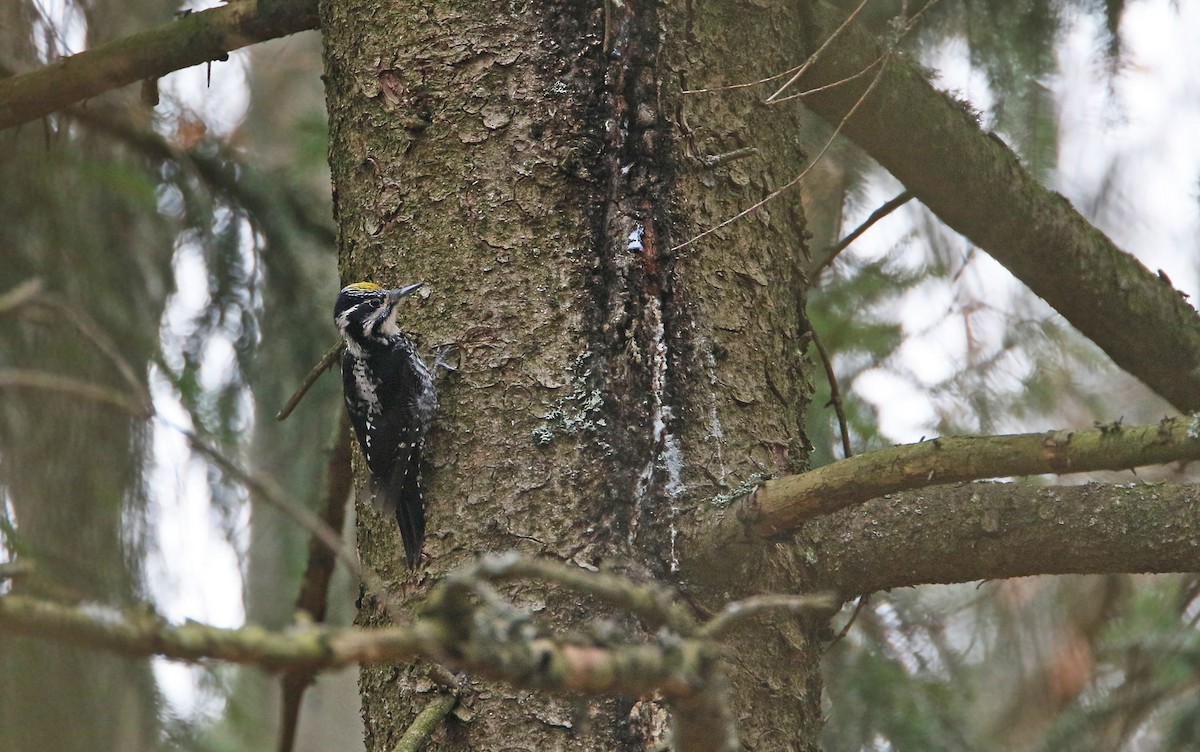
193, 39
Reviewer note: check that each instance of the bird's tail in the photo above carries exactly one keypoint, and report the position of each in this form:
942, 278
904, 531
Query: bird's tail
404, 494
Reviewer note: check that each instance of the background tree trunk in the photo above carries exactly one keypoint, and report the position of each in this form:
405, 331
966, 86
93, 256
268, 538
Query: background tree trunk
71, 497
536, 165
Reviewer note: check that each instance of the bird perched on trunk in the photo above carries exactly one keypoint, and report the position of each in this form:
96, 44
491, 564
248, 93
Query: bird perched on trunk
391, 399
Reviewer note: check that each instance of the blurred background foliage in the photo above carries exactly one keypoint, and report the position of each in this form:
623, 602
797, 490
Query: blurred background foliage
198, 237
1047, 663
183, 256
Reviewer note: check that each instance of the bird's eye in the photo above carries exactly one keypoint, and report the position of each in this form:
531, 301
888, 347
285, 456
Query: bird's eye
375, 302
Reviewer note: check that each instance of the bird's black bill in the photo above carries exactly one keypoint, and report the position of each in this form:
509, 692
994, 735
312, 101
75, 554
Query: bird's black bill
395, 295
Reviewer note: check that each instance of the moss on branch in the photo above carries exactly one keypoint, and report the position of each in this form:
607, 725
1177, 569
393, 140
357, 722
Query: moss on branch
780, 506
463, 624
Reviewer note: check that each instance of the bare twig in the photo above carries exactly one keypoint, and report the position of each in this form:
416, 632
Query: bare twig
324, 364
92, 331
819, 264
816, 55
748, 608
782, 189
835, 394
421, 729
745, 152
32, 293
746, 84
16, 378
17, 297
654, 604
858, 607
840, 82
265, 490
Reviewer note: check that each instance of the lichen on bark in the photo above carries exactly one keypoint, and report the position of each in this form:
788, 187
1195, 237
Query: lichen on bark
538, 167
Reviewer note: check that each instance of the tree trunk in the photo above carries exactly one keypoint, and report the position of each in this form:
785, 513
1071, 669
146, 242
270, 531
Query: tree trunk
537, 166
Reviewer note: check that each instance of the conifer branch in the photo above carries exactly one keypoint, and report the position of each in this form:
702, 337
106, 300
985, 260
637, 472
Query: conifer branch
192, 39
783, 504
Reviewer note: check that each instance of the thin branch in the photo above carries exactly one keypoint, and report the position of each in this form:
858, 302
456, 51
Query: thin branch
655, 605
738, 611
490, 642
16, 298
744, 84
745, 152
842, 82
93, 332
786, 186
193, 39
265, 490
427, 721
324, 364
795, 71
816, 55
32, 293
845, 630
16, 378
819, 264
835, 394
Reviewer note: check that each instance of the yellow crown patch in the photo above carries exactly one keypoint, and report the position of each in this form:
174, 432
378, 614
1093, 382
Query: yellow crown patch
363, 286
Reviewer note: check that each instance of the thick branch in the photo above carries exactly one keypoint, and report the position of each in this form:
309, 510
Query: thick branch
674, 668
783, 504
464, 624
193, 39
991, 530
976, 185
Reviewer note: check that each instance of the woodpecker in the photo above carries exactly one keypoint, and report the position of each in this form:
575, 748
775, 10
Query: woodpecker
390, 397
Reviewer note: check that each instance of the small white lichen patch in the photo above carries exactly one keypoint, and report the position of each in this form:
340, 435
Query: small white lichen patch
636, 236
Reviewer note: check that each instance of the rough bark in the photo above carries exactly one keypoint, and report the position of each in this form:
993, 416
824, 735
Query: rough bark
975, 531
533, 165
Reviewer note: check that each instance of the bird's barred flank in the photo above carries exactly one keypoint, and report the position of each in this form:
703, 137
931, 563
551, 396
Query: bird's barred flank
390, 398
